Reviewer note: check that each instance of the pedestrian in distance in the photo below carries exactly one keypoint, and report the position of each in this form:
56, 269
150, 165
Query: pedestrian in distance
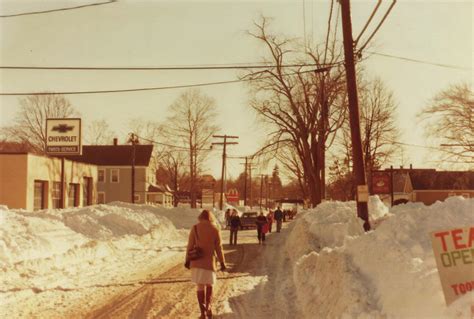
270, 220
204, 244
235, 224
227, 217
278, 216
262, 227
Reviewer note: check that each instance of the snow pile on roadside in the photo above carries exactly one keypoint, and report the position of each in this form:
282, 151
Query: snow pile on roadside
80, 247
389, 272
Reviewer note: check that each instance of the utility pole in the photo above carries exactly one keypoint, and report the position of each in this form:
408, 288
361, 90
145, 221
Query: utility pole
224, 143
261, 190
266, 191
245, 180
133, 140
250, 168
357, 156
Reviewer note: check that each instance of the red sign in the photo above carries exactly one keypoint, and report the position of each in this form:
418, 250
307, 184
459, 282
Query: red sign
381, 183
232, 195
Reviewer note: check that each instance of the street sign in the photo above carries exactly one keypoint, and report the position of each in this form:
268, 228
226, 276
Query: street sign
453, 251
381, 183
63, 136
362, 193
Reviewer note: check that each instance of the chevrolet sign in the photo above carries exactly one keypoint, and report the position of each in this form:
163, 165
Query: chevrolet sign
63, 136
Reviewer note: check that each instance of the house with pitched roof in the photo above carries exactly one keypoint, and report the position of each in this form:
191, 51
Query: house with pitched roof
114, 181
429, 185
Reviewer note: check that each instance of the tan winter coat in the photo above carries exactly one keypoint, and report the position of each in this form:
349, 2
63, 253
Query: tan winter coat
210, 242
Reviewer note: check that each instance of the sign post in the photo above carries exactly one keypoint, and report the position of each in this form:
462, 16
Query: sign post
63, 137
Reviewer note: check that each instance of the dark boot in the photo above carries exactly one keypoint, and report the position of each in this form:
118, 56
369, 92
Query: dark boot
208, 301
202, 305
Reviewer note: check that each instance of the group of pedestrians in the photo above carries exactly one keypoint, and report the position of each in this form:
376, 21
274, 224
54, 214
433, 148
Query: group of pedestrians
205, 248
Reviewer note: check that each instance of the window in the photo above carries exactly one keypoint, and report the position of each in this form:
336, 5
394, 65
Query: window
114, 175
100, 198
73, 195
39, 195
87, 191
56, 195
136, 198
101, 176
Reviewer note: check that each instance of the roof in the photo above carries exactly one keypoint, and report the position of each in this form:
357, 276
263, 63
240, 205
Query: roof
159, 189
114, 155
442, 180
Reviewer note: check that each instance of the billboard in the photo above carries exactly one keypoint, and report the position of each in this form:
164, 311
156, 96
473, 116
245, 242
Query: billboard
63, 136
381, 183
454, 254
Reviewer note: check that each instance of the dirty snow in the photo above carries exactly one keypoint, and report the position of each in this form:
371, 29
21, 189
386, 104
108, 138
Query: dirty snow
77, 248
340, 272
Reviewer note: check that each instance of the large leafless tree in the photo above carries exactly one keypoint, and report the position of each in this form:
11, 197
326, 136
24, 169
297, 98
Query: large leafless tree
378, 129
98, 132
303, 107
29, 126
191, 123
449, 118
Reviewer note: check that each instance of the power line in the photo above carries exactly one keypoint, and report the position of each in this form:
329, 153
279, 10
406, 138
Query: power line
378, 26
56, 10
325, 69
368, 21
329, 30
170, 145
420, 61
161, 68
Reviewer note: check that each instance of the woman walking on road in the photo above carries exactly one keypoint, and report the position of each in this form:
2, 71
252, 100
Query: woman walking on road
262, 227
204, 241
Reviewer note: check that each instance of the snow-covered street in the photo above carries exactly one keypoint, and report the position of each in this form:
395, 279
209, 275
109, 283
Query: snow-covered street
126, 261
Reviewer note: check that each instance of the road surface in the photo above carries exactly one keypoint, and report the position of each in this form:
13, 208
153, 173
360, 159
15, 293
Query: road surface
249, 289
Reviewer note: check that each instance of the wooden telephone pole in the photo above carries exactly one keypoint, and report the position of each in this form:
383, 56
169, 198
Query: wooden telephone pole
134, 141
357, 155
224, 143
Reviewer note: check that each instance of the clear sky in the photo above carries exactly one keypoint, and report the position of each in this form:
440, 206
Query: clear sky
161, 33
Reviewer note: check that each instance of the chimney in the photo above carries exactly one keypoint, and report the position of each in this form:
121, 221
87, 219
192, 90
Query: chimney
115, 141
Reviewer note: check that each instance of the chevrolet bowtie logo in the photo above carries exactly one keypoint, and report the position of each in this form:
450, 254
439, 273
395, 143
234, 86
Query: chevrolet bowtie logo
62, 128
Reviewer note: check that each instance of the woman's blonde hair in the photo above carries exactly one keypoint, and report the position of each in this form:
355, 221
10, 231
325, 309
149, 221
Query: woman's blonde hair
207, 215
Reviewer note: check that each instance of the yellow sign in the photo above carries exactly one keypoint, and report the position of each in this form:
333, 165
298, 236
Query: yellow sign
454, 254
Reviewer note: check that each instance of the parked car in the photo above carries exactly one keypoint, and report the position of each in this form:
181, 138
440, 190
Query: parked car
248, 220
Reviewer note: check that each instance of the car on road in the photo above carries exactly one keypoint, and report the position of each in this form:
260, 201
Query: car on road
248, 220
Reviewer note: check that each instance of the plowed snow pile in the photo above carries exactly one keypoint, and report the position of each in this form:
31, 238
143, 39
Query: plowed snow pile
390, 272
80, 247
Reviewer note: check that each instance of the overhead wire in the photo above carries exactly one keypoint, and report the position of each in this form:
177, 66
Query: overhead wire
378, 26
374, 11
329, 31
159, 68
177, 147
324, 69
420, 61
56, 10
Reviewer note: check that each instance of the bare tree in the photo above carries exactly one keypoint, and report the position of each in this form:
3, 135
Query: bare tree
192, 124
30, 122
378, 127
303, 107
98, 132
449, 118
172, 170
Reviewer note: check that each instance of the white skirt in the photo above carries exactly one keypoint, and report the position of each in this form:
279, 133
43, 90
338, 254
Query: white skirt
203, 276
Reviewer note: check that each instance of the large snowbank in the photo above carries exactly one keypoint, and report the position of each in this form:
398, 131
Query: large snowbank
389, 272
81, 247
